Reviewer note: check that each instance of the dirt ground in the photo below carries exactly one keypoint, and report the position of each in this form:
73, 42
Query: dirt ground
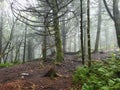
11, 78
30, 76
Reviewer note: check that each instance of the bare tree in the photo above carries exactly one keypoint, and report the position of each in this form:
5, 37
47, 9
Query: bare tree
56, 9
115, 17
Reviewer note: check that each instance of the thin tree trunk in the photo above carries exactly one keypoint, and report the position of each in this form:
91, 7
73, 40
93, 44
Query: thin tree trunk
88, 33
30, 51
81, 36
98, 26
1, 29
24, 50
44, 47
63, 34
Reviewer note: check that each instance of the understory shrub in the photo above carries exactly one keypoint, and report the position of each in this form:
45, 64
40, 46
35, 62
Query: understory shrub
5, 65
102, 75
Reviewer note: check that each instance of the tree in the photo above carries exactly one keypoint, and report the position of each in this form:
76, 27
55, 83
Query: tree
81, 27
56, 9
29, 50
98, 26
63, 34
58, 42
88, 32
115, 17
24, 50
1, 30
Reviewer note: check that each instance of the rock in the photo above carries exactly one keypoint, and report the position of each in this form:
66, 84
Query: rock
24, 74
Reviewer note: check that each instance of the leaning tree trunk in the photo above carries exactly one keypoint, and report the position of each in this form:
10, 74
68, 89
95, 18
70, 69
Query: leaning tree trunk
116, 15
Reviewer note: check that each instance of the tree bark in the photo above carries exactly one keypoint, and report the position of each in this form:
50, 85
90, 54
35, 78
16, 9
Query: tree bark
30, 50
116, 15
98, 26
81, 30
58, 42
88, 33
1, 29
24, 50
63, 34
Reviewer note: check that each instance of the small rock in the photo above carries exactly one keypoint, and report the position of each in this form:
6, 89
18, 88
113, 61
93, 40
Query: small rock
22, 77
24, 74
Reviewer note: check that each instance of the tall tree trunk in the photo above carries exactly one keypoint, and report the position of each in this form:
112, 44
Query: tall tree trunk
58, 42
116, 15
24, 50
1, 29
30, 51
81, 29
44, 47
63, 34
88, 32
98, 26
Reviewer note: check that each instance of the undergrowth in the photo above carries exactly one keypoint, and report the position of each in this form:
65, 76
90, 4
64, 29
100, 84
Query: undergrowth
2, 65
6, 65
102, 75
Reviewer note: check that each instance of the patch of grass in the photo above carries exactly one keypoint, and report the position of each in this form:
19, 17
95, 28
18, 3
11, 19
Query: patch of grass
100, 76
2, 65
6, 65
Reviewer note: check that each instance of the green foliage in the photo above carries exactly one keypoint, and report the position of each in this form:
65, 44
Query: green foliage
102, 75
2, 65
6, 65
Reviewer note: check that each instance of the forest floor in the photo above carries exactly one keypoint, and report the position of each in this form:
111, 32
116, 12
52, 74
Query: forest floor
31, 75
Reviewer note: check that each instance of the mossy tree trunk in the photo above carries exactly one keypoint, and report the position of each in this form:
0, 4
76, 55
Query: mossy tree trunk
58, 42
